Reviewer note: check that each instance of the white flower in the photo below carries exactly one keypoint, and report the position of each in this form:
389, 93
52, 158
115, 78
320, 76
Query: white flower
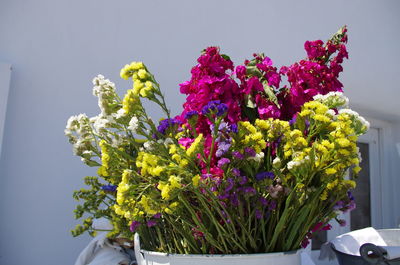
295, 163
257, 158
350, 112
276, 161
120, 113
148, 145
99, 123
168, 141
334, 99
292, 164
134, 124
331, 112
318, 97
364, 122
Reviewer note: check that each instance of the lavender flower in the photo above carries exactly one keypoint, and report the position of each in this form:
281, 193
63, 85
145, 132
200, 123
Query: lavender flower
223, 147
223, 161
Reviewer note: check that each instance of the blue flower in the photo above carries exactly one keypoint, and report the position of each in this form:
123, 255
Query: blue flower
215, 106
190, 114
167, 123
266, 174
109, 188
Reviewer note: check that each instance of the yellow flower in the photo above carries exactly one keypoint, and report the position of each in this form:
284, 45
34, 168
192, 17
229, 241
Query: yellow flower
356, 169
142, 73
350, 183
175, 181
324, 195
321, 117
195, 145
343, 142
196, 180
330, 171
262, 124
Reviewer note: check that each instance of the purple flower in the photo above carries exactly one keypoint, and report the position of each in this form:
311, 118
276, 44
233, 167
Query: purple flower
249, 190
223, 161
151, 223
292, 121
243, 180
272, 205
157, 216
223, 147
250, 151
222, 126
263, 201
109, 188
259, 214
167, 123
206, 175
215, 106
234, 128
230, 186
266, 174
134, 226
190, 114
350, 195
237, 155
236, 172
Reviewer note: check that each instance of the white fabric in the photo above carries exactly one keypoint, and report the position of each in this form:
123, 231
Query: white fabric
351, 242
392, 252
101, 252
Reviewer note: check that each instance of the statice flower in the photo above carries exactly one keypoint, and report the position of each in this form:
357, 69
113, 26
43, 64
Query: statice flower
190, 114
265, 175
223, 147
134, 225
110, 188
166, 124
104, 89
223, 161
134, 124
214, 107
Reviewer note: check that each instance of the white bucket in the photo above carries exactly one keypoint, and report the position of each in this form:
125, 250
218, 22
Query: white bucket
144, 257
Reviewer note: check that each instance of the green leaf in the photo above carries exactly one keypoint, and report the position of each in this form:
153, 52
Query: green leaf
253, 71
270, 93
249, 102
226, 57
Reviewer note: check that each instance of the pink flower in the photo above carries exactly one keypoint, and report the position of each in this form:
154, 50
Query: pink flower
186, 142
314, 49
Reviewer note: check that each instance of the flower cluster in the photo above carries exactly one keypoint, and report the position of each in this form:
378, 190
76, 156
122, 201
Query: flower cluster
250, 165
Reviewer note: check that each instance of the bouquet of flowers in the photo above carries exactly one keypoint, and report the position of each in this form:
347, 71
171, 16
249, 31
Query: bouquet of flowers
256, 162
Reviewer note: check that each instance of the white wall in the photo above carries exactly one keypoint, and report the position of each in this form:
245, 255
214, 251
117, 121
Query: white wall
56, 47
